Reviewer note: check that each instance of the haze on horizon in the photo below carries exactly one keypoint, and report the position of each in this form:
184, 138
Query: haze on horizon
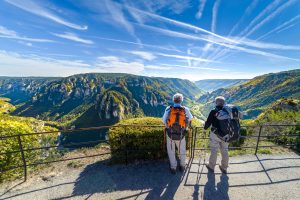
190, 39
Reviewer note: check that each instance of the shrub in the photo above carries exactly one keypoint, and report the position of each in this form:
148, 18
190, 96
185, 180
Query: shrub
11, 125
138, 142
241, 141
10, 160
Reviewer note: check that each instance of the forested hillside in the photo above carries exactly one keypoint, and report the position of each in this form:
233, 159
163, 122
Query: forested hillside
102, 99
20, 90
210, 85
258, 93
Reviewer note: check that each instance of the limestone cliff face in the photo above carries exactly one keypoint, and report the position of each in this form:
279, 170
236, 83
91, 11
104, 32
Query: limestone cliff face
106, 97
113, 104
20, 90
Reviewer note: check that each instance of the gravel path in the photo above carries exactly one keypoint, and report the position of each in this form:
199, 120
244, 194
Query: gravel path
249, 177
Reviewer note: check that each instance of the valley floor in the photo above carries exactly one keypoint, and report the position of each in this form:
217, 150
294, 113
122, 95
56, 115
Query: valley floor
249, 177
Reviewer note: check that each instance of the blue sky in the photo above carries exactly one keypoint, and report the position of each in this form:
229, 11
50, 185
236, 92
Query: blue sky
191, 39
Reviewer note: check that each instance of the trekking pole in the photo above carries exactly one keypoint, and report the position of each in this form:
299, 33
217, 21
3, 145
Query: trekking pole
189, 134
164, 144
188, 142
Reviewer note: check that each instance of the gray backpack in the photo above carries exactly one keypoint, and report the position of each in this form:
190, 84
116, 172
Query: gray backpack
229, 123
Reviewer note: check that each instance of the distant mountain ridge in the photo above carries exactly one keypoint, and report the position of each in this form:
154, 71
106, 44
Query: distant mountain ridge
95, 98
258, 93
210, 85
21, 89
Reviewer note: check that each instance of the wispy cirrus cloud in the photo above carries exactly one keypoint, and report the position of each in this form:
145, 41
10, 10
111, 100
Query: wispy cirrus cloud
266, 45
73, 37
258, 52
117, 15
13, 64
271, 16
271, 11
10, 34
263, 13
175, 6
34, 8
176, 23
158, 67
282, 26
137, 44
143, 54
200, 9
213, 26
248, 10
234, 46
215, 15
113, 64
185, 57
196, 67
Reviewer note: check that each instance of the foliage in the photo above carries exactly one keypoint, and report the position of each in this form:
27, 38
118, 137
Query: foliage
5, 106
284, 111
210, 85
259, 93
141, 142
241, 141
20, 89
107, 97
12, 125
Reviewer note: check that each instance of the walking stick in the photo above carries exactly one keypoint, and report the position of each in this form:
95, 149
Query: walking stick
164, 144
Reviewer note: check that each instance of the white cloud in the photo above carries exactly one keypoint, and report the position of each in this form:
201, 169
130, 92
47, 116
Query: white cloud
175, 6
157, 67
112, 64
185, 57
5, 31
248, 11
245, 32
117, 15
177, 23
258, 52
34, 8
281, 26
266, 45
143, 54
26, 43
268, 9
230, 46
73, 37
171, 33
10, 34
13, 64
271, 16
138, 44
200, 9
196, 67
214, 16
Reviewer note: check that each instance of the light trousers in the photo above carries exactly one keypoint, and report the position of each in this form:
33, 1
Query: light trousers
215, 144
180, 144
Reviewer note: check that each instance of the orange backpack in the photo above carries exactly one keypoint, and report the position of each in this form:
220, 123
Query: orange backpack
177, 123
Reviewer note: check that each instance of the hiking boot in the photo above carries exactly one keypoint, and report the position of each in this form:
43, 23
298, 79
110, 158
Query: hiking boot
209, 169
181, 168
173, 171
224, 171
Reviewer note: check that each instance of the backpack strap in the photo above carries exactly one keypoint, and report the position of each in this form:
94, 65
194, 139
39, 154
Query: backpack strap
169, 113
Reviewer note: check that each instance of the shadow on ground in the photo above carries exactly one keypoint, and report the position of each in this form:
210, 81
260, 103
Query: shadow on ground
153, 178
